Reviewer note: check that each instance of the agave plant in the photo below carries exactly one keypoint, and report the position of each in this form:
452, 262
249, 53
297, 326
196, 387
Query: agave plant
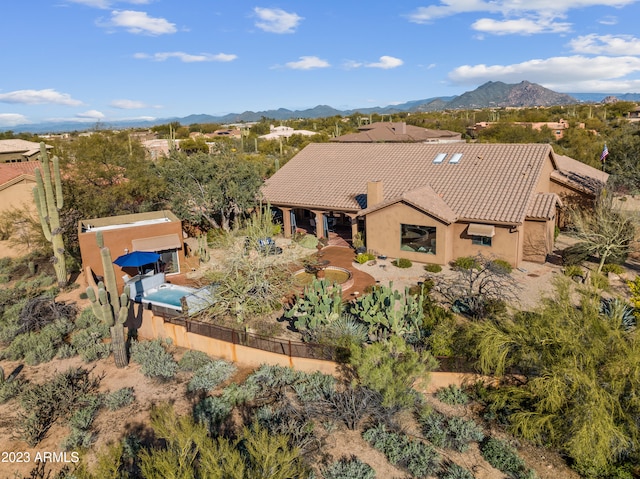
619, 312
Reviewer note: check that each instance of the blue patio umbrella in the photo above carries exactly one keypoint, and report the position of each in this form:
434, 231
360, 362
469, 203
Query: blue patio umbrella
136, 259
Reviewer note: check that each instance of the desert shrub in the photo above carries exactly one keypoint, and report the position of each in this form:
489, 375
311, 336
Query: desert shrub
348, 468
452, 395
60, 397
402, 263
212, 412
420, 459
574, 255
83, 417
452, 470
573, 270
612, 268
314, 386
66, 351
10, 388
193, 360
343, 332
362, 258
268, 377
236, 394
501, 265
288, 421
86, 319
77, 439
210, 375
89, 342
39, 347
599, 281
432, 268
119, 398
504, 457
155, 361
450, 432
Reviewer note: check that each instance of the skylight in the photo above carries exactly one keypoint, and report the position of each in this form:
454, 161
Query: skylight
455, 158
440, 158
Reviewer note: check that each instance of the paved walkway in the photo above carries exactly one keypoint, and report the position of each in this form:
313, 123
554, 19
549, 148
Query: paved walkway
343, 257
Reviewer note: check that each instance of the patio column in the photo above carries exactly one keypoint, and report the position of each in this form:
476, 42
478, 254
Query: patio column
286, 221
354, 225
319, 218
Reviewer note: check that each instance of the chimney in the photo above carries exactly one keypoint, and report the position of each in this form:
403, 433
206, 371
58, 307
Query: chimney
374, 193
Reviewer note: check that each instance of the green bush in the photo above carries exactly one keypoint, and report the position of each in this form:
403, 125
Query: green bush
419, 458
504, 457
193, 360
38, 347
612, 268
574, 255
573, 270
454, 471
119, 398
210, 375
212, 411
432, 268
77, 439
450, 432
452, 395
314, 386
155, 361
501, 266
362, 258
465, 262
10, 388
599, 281
236, 394
88, 342
402, 263
348, 468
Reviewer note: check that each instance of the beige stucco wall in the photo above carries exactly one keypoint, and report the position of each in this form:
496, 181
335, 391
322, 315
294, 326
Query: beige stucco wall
544, 183
504, 245
153, 327
17, 195
538, 240
383, 233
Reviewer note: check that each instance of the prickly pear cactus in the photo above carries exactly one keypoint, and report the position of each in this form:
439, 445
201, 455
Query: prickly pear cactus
320, 304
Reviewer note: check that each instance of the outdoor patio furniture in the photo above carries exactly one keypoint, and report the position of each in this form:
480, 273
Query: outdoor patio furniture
265, 246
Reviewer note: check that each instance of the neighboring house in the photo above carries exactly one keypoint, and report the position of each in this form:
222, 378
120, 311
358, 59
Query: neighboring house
557, 127
157, 231
17, 181
398, 132
276, 132
16, 151
434, 203
634, 115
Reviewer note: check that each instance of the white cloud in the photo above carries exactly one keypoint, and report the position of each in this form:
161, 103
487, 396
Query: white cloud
448, 8
275, 20
38, 97
386, 62
12, 119
521, 26
187, 57
140, 22
606, 45
308, 63
127, 104
90, 115
573, 74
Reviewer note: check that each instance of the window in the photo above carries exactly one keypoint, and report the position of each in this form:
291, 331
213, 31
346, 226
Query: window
169, 263
481, 240
418, 239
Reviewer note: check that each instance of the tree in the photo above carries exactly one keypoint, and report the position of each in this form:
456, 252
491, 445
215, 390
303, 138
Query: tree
212, 190
605, 232
480, 286
578, 371
391, 367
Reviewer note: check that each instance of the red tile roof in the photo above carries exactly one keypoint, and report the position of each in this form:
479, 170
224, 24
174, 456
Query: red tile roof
491, 182
10, 172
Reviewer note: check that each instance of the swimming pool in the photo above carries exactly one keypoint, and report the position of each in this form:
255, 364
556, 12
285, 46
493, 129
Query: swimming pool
180, 299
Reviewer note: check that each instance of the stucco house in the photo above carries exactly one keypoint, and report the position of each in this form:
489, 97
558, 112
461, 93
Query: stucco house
156, 231
433, 203
16, 151
398, 132
17, 181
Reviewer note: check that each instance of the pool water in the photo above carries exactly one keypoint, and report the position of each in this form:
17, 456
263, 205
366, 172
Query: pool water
170, 296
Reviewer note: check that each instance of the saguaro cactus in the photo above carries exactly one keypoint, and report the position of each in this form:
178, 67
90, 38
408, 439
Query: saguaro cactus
49, 204
112, 309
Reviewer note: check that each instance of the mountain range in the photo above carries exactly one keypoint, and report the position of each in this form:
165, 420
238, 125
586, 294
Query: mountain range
488, 95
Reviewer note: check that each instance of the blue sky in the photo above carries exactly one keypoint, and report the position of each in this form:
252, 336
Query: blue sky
107, 60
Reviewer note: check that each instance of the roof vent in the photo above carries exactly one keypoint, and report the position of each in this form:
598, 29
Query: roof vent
455, 159
440, 158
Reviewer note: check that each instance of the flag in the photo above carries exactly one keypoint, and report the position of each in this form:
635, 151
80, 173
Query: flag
605, 153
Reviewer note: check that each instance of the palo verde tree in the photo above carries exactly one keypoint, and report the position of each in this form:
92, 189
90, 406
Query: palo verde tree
605, 232
581, 369
49, 201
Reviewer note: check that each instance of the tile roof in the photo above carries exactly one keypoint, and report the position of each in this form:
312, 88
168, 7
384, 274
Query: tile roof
578, 175
396, 132
542, 206
9, 172
17, 145
492, 182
